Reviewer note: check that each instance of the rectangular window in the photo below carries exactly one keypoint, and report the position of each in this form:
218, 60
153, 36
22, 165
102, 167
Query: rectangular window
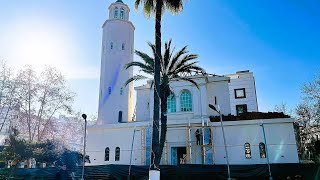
240, 93
241, 108
215, 100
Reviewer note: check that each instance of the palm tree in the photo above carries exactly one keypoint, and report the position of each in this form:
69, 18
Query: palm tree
157, 7
173, 67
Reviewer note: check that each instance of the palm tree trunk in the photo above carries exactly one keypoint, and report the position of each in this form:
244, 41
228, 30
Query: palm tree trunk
156, 156
165, 92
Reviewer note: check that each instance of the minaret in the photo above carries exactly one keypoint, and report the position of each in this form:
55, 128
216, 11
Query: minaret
115, 99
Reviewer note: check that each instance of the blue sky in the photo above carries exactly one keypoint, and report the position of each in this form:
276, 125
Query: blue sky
277, 40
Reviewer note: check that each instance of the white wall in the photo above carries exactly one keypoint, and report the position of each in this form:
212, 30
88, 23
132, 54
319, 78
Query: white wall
201, 97
100, 138
218, 87
143, 103
243, 80
280, 139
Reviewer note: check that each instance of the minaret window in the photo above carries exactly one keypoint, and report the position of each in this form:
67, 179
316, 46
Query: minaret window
122, 46
117, 157
121, 91
106, 154
120, 117
121, 13
116, 12
109, 90
111, 45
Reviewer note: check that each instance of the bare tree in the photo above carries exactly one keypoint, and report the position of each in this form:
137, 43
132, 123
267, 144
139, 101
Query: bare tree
308, 118
70, 130
283, 107
8, 99
41, 97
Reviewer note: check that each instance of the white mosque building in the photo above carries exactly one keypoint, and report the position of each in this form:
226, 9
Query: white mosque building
123, 133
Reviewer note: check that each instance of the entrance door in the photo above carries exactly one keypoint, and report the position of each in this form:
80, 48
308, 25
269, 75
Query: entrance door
178, 155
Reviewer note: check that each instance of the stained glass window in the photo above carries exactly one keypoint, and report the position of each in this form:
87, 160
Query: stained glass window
247, 150
262, 149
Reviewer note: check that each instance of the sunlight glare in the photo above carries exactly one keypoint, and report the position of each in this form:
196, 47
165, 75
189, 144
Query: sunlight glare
40, 44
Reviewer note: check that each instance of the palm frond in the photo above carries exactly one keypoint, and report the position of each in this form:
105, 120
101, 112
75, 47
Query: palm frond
192, 70
183, 61
183, 67
138, 64
174, 6
145, 57
151, 72
176, 57
136, 4
174, 66
135, 78
167, 56
188, 79
153, 48
148, 7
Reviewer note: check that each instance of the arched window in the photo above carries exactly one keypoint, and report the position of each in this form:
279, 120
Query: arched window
171, 101
106, 154
120, 117
122, 47
117, 154
121, 91
185, 101
121, 13
247, 150
116, 12
109, 90
111, 45
262, 149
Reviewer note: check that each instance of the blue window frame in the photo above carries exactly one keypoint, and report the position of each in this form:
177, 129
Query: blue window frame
121, 13
171, 102
116, 11
185, 101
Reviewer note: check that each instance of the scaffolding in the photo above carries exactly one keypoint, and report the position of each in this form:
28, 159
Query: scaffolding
205, 148
206, 145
